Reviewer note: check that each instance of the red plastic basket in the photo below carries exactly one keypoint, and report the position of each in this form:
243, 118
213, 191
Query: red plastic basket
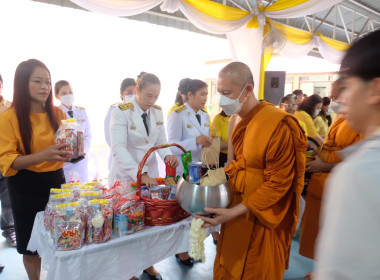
159, 212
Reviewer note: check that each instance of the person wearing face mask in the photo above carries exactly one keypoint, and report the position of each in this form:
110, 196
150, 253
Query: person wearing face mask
266, 177
135, 128
339, 136
289, 104
348, 242
306, 112
321, 122
64, 92
127, 93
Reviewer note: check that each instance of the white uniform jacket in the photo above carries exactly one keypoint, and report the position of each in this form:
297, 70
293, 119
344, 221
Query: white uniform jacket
183, 128
79, 170
130, 141
107, 123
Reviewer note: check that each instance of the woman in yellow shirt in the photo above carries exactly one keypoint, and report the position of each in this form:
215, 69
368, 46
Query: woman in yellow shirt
321, 122
220, 127
29, 156
306, 112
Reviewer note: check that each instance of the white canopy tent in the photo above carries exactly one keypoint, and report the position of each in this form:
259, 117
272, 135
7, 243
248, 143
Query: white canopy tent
328, 26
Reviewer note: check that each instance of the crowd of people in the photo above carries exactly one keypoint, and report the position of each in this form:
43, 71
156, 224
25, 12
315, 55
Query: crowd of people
333, 196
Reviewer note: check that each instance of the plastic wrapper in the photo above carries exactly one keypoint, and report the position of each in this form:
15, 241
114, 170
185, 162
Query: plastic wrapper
70, 133
99, 218
54, 200
156, 193
129, 217
186, 159
69, 231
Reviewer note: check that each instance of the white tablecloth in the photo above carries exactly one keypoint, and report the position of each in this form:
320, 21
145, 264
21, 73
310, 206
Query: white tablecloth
118, 258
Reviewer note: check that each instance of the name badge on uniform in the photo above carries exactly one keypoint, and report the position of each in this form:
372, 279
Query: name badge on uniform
207, 125
133, 127
159, 123
189, 126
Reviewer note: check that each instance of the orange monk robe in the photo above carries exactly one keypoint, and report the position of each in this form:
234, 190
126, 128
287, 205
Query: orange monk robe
339, 137
267, 177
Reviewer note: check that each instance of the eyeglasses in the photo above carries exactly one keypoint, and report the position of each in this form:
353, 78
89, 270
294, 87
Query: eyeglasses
295, 106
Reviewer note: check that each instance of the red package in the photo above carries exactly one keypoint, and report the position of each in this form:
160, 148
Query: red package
170, 170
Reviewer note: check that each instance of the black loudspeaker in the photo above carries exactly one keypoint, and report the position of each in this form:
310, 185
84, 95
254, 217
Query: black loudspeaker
274, 86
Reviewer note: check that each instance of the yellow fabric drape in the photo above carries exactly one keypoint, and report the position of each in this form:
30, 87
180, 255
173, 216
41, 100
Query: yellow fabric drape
217, 10
265, 58
339, 46
293, 34
264, 63
284, 4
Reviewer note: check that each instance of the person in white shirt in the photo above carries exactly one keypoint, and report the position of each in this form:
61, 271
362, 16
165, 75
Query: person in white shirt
189, 125
349, 240
64, 92
136, 127
127, 93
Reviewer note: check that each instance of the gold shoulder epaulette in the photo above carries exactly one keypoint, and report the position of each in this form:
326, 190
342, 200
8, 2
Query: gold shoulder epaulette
180, 108
157, 107
80, 107
178, 104
125, 106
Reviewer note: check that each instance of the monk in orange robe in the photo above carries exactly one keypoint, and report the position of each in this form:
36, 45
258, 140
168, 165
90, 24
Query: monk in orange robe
266, 177
339, 136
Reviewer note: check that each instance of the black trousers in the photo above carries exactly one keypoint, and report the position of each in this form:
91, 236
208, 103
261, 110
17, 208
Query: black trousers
29, 193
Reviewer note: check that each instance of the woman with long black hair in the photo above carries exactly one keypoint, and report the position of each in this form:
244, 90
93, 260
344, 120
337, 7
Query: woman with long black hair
29, 156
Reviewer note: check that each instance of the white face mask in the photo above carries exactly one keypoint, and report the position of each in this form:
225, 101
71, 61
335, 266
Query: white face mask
231, 106
128, 98
329, 112
316, 112
335, 106
67, 100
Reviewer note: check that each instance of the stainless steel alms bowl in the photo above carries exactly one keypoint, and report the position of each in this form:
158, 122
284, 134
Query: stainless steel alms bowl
194, 198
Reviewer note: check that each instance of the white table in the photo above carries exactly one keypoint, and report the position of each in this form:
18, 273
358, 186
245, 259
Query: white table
118, 258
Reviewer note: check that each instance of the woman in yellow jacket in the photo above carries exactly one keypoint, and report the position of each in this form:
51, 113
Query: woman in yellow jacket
29, 156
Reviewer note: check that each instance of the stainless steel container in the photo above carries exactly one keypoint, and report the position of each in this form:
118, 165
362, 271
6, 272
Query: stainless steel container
194, 198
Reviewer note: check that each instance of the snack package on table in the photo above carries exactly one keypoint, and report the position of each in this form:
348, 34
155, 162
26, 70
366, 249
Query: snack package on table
70, 133
57, 196
129, 217
95, 234
69, 230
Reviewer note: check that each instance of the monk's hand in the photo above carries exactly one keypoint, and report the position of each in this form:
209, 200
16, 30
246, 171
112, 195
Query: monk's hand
221, 215
317, 165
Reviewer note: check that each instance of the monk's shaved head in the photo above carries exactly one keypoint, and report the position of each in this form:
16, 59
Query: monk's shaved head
239, 73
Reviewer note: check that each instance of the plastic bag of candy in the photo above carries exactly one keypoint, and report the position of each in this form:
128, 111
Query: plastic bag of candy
129, 217
57, 196
70, 133
69, 230
100, 212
